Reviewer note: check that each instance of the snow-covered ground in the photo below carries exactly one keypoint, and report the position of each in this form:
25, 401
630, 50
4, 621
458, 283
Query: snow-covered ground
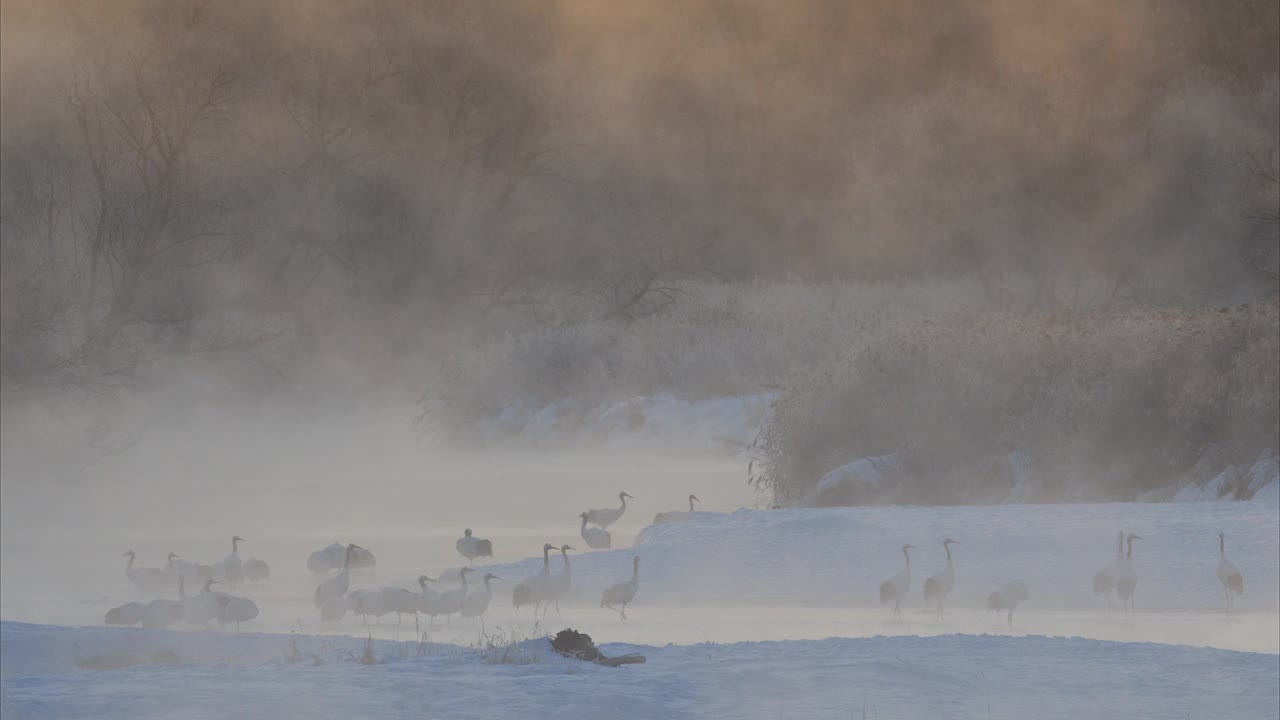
839, 556
204, 675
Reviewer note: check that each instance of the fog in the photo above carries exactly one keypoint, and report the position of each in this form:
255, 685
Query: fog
380, 271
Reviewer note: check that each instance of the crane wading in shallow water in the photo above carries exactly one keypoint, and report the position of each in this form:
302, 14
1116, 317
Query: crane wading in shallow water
1127, 577
606, 517
595, 538
897, 587
937, 588
473, 547
1104, 583
1228, 574
675, 516
622, 593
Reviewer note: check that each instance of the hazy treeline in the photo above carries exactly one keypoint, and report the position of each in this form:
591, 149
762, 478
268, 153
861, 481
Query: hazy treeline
271, 194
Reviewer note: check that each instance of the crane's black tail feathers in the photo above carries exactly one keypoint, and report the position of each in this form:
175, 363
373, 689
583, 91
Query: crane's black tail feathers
932, 589
484, 548
1102, 584
521, 595
887, 592
1125, 589
1236, 584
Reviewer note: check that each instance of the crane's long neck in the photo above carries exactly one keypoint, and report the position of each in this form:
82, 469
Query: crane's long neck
623, 498
690, 505
132, 557
907, 556
947, 547
635, 570
1130, 555
584, 523
546, 558
1222, 546
565, 554
346, 562
486, 583
235, 549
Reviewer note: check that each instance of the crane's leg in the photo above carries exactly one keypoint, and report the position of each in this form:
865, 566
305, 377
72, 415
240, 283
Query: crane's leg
624, 612
558, 608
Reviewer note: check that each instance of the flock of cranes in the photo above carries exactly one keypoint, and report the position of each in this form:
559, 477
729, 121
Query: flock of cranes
334, 597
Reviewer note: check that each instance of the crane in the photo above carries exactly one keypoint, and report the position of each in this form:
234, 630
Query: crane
532, 588
477, 603
400, 601
937, 588
595, 538
675, 516
197, 611
149, 580
365, 603
163, 612
561, 583
1228, 574
473, 547
1104, 582
1007, 597
230, 568
623, 592
606, 517
428, 600
451, 601
1127, 577
330, 593
130, 613
896, 587
255, 569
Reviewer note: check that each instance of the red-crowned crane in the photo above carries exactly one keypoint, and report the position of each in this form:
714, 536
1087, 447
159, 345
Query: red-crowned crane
477, 603
897, 587
533, 590
937, 588
473, 547
606, 517
1007, 597
675, 516
229, 570
1104, 583
148, 580
1228, 574
330, 594
623, 592
1127, 577
561, 583
595, 538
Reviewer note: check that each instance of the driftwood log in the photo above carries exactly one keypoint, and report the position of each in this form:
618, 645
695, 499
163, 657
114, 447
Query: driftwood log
571, 643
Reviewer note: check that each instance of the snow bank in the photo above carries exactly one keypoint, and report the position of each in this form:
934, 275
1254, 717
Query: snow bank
900, 677
839, 556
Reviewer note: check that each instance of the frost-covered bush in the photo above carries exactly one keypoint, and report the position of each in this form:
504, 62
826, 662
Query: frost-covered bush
1098, 407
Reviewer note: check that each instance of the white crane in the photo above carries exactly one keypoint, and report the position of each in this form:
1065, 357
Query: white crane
1228, 574
897, 587
1104, 583
675, 516
473, 547
532, 590
623, 592
330, 593
163, 612
400, 601
255, 569
937, 587
197, 611
561, 583
130, 613
148, 580
595, 538
477, 603
451, 601
606, 517
229, 571
365, 603
1007, 597
428, 600
235, 609
1127, 577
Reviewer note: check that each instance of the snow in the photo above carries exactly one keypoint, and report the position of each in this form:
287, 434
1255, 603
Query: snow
1269, 494
839, 556
217, 675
